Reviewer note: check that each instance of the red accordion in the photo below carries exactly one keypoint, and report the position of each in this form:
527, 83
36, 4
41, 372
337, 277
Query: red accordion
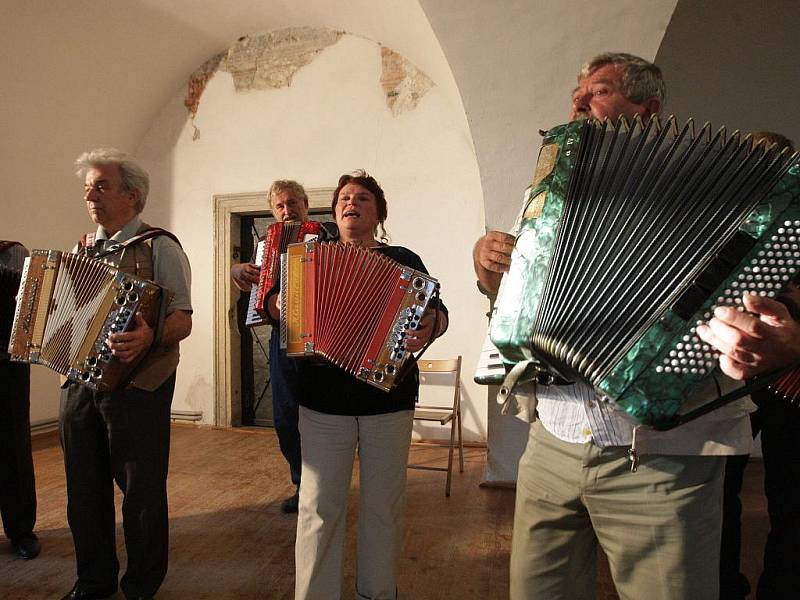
788, 386
351, 306
268, 256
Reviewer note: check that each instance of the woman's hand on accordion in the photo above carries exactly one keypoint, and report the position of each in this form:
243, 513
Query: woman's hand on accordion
763, 338
417, 338
128, 345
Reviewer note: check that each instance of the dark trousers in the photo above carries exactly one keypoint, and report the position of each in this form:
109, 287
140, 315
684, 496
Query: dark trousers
120, 437
283, 375
17, 484
779, 424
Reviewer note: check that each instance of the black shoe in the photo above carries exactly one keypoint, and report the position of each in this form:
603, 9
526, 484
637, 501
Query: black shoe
27, 546
79, 593
289, 506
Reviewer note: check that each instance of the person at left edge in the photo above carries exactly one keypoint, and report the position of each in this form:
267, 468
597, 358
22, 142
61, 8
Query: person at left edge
122, 436
17, 482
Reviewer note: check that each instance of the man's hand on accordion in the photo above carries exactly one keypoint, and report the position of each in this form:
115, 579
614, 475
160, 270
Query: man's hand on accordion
491, 257
245, 275
763, 338
127, 346
417, 338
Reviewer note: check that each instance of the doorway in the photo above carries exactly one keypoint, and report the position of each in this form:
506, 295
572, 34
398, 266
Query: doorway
254, 367
230, 210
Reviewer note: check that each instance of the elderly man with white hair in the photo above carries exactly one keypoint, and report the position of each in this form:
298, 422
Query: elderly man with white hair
122, 436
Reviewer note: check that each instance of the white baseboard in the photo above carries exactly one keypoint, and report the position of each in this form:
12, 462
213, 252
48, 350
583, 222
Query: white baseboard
47, 425
187, 415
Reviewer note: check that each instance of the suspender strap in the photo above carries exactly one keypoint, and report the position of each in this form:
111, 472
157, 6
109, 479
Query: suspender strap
142, 236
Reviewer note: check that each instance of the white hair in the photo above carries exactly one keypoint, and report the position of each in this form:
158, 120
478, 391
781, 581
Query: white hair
133, 177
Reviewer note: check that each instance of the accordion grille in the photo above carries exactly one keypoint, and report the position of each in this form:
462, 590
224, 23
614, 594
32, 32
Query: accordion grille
80, 288
645, 207
352, 306
353, 285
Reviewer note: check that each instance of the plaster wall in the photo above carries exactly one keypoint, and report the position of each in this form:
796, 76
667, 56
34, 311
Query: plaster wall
80, 74
516, 62
333, 118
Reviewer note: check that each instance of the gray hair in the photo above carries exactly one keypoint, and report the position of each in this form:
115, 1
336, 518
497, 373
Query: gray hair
640, 79
133, 177
288, 185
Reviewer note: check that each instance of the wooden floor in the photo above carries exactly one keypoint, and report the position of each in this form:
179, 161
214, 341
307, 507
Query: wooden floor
229, 540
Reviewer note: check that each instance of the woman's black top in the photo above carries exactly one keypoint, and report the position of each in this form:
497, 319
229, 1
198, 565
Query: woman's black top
329, 389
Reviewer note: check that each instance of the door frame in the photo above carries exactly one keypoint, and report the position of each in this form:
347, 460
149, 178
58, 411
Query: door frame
228, 210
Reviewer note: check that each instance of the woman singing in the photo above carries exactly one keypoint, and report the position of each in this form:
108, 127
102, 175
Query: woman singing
339, 415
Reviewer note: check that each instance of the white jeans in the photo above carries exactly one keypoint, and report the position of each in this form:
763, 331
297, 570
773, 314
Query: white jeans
328, 445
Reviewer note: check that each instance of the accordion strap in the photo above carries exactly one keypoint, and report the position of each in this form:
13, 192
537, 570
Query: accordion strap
142, 236
753, 385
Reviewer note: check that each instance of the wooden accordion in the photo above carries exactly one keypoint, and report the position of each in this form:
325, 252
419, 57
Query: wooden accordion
67, 306
630, 235
351, 306
268, 259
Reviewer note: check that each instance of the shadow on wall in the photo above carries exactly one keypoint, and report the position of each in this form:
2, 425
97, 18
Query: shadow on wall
733, 63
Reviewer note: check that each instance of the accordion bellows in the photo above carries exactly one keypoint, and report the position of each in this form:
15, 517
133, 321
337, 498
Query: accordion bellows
630, 235
268, 257
67, 306
351, 306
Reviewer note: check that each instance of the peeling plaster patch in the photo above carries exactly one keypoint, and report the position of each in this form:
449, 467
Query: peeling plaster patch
270, 60
197, 84
198, 81
403, 84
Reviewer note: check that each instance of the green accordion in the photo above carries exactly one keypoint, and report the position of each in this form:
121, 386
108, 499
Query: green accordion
629, 237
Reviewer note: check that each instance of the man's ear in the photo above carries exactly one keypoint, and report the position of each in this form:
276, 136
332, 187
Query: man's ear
134, 197
652, 106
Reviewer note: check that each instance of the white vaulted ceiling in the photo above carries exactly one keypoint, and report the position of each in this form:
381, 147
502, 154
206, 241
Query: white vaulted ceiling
78, 73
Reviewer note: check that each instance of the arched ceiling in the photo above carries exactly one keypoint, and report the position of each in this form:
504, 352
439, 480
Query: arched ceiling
515, 64
81, 73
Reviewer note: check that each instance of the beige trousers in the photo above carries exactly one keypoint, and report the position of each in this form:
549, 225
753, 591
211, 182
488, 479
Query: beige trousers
329, 444
659, 526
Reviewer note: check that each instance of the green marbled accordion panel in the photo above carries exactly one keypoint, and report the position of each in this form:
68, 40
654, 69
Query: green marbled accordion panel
629, 236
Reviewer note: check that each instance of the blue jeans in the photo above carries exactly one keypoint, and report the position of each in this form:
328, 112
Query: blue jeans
283, 374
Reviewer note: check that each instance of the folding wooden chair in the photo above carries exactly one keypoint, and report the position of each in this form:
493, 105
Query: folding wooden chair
444, 415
